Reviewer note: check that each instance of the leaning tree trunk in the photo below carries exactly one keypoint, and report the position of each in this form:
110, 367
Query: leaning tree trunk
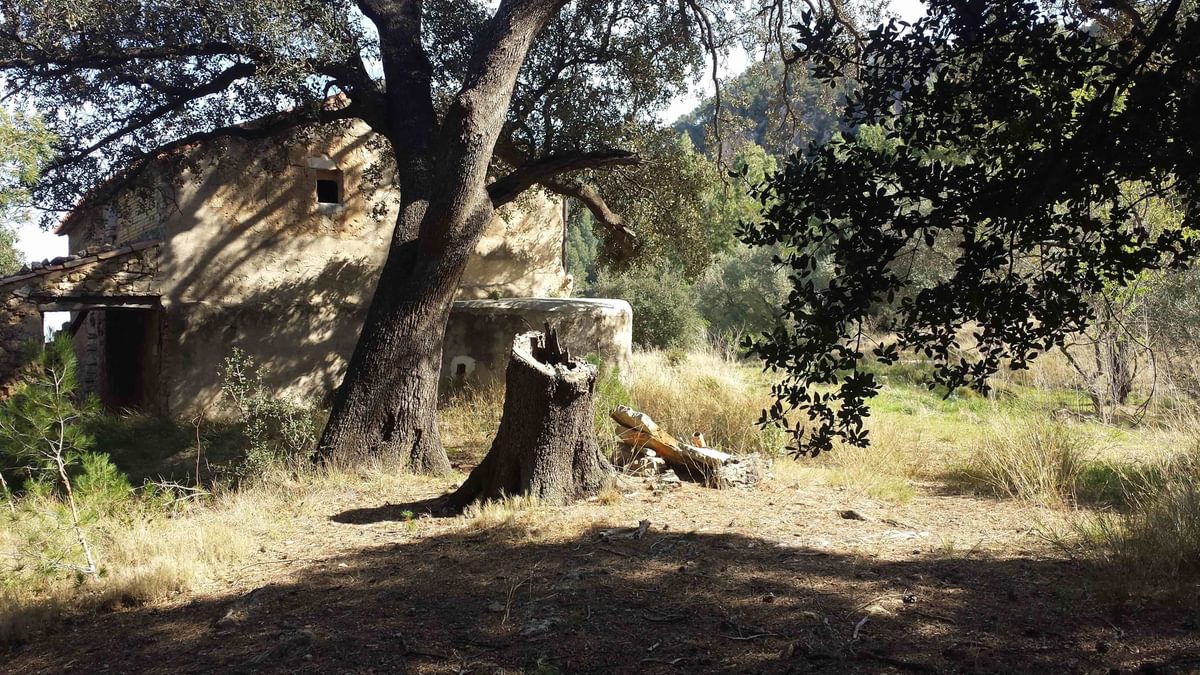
387, 404
388, 401
546, 444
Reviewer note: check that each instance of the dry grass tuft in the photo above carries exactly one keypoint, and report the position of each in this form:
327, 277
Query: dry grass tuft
1154, 544
705, 390
610, 495
21, 616
709, 392
519, 514
884, 470
150, 549
1037, 460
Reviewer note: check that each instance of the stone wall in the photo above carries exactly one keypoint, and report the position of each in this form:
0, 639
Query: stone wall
67, 283
20, 328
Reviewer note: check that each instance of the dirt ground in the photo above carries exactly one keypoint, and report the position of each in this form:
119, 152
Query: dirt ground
779, 579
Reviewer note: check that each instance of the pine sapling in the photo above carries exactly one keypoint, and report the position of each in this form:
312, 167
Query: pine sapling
41, 429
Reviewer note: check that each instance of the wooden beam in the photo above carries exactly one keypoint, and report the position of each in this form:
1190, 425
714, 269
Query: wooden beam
48, 303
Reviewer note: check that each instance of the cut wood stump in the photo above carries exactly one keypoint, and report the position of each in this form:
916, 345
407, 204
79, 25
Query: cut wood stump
709, 465
546, 444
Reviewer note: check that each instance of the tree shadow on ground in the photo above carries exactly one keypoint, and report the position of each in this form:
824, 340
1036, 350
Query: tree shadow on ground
506, 600
431, 508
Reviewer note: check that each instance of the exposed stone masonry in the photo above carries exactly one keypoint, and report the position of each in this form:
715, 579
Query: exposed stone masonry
91, 275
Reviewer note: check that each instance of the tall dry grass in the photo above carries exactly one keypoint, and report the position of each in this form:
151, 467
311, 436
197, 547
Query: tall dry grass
150, 548
708, 391
887, 469
1153, 547
468, 419
1151, 544
1035, 460
150, 552
145, 552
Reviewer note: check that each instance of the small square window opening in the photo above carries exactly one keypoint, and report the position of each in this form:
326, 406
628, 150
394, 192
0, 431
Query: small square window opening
328, 191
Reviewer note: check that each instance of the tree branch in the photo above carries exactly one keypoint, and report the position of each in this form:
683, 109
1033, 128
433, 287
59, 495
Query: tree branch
146, 118
626, 238
107, 59
475, 118
550, 167
508, 151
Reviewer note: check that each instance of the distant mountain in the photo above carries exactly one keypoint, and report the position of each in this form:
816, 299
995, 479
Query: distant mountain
754, 108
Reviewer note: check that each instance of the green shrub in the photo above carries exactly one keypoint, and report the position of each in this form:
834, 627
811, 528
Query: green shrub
279, 432
151, 447
742, 292
100, 485
664, 307
42, 435
43, 421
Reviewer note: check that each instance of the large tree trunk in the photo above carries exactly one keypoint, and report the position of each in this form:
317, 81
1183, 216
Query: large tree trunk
387, 404
546, 445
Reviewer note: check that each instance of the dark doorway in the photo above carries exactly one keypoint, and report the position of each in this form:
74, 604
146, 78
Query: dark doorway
131, 362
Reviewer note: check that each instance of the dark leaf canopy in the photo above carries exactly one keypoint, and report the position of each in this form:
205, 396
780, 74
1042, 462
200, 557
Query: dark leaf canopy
121, 81
1021, 140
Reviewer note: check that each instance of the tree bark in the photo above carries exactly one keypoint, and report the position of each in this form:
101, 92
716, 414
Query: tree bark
387, 404
546, 445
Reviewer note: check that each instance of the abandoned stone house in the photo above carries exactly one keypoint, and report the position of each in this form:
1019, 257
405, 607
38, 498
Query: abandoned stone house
274, 246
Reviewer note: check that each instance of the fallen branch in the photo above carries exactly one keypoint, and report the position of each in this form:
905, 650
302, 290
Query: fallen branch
714, 467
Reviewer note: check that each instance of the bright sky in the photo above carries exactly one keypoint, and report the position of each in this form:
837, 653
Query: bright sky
37, 244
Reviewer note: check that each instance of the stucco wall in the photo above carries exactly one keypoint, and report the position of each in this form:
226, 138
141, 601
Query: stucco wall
251, 260
241, 219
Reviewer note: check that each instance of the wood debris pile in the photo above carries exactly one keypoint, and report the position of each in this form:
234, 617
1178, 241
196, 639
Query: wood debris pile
646, 449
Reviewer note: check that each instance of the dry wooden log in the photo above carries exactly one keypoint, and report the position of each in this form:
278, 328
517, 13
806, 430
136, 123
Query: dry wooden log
638, 429
664, 442
717, 468
688, 456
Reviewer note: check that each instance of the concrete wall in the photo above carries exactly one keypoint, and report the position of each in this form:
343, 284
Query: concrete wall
251, 259
480, 333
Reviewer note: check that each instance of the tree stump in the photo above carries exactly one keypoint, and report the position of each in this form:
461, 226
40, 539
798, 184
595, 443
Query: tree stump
546, 444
